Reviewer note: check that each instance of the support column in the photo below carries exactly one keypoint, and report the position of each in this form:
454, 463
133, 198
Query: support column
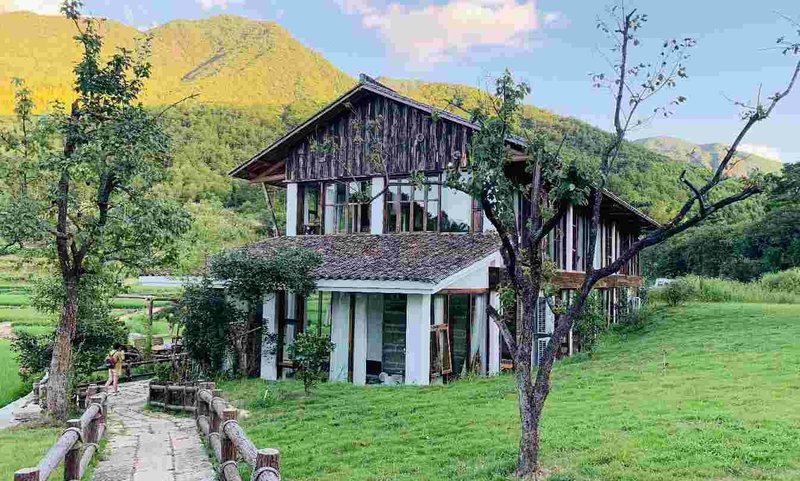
570, 233
360, 340
494, 337
291, 209
418, 339
597, 262
269, 358
340, 335
376, 208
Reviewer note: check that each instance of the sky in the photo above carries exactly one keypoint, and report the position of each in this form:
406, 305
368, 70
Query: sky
553, 45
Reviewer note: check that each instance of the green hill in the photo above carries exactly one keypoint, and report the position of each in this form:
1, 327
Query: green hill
255, 81
708, 155
226, 59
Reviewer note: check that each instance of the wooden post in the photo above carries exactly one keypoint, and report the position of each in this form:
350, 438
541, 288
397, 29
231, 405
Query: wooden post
212, 413
98, 399
268, 458
43, 395
27, 474
35, 391
72, 461
90, 392
167, 395
148, 341
228, 449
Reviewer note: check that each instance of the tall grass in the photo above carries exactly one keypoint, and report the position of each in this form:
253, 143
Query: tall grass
771, 289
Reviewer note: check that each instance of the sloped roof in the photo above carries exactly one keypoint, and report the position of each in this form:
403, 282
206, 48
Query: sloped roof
418, 257
365, 86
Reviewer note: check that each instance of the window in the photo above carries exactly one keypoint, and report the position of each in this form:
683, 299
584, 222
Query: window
426, 208
347, 207
309, 220
318, 314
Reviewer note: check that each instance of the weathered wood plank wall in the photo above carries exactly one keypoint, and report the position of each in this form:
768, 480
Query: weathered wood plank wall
410, 140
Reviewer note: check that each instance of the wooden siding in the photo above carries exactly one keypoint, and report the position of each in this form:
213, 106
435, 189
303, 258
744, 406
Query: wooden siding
574, 280
410, 140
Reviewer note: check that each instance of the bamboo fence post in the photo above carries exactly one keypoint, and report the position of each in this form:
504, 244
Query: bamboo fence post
72, 461
90, 391
27, 474
212, 413
228, 449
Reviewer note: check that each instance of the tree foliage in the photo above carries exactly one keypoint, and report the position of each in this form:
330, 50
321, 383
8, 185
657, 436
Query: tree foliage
311, 353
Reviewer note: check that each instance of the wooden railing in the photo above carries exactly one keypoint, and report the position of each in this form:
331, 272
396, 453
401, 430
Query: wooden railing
77, 444
217, 421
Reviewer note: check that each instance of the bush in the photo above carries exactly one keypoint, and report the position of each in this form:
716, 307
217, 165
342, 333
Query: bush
677, 293
207, 318
311, 354
786, 281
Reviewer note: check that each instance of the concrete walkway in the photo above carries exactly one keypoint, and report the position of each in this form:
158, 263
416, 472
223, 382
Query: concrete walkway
150, 446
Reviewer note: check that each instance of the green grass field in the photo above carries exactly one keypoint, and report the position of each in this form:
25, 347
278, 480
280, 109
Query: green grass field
23, 447
11, 386
708, 391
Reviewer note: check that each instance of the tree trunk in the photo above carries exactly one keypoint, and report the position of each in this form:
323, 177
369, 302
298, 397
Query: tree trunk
528, 457
61, 361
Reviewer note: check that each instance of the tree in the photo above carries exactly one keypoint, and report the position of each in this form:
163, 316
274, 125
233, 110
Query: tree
551, 186
249, 277
311, 353
80, 183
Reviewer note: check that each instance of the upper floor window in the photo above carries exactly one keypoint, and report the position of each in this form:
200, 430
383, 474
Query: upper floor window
347, 208
426, 208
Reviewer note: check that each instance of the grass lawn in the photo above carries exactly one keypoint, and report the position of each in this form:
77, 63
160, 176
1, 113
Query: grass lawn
7, 299
25, 316
709, 391
11, 386
24, 446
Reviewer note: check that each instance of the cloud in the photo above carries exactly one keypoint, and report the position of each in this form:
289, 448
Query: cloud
42, 7
762, 150
554, 20
433, 33
221, 4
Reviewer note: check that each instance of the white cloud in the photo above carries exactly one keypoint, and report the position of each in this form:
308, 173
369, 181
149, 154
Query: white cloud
762, 150
221, 4
431, 33
554, 20
42, 7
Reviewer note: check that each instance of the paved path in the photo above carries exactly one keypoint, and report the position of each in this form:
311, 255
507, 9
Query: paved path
150, 446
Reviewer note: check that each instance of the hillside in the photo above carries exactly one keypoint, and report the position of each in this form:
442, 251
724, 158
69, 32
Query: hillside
708, 155
226, 59
689, 395
255, 82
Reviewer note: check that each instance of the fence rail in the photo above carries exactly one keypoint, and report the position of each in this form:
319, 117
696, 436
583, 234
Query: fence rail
217, 421
77, 444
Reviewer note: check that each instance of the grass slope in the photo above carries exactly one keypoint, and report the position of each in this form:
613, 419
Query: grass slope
24, 446
703, 392
11, 387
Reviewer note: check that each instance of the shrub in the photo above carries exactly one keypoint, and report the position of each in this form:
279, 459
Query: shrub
677, 293
207, 318
785, 281
591, 321
311, 354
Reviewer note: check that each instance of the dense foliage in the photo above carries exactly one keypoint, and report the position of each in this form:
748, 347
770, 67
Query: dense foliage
741, 248
777, 288
206, 317
311, 354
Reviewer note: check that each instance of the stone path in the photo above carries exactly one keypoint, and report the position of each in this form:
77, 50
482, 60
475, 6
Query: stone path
150, 446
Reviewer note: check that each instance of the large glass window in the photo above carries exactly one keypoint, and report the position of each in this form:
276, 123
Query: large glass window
318, 314
310, 209
430, 207
347, 208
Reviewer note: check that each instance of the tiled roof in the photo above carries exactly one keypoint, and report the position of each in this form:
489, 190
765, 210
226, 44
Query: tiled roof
420, 257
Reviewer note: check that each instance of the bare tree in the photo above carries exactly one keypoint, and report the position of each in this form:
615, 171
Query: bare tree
553, 186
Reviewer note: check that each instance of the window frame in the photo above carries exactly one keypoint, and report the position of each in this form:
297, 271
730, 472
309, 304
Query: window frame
353, 211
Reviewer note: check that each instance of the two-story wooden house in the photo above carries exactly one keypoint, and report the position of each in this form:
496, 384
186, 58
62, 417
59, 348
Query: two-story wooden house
407, 271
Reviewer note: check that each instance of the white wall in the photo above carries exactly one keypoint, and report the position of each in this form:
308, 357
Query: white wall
360, 340
376, 208
291, 209
269, 362
418, 339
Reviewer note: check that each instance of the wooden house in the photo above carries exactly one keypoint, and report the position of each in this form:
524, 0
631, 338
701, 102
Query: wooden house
407, 271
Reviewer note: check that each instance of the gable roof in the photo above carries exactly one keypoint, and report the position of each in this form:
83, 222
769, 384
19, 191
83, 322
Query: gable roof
419, 257
365, 86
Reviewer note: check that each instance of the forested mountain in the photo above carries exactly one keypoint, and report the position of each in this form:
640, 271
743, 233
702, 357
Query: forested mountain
708, 155
254, 82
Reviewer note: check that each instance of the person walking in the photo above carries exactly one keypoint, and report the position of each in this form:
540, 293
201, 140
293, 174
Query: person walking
114, 363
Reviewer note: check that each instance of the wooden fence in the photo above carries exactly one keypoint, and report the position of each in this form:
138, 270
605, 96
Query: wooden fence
217, 421
77, 444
